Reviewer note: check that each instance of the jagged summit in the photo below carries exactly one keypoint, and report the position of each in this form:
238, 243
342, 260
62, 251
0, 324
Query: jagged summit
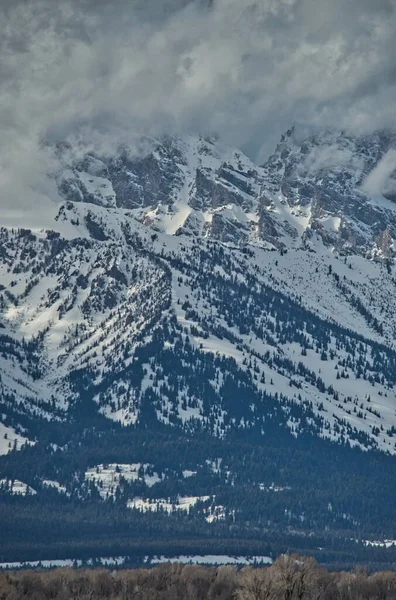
176, 186
330, 185
342, 184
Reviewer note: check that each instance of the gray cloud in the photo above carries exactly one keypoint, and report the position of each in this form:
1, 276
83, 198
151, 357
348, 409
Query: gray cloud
103, 72
382, 180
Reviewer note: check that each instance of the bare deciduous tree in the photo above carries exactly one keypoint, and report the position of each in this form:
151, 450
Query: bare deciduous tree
256, 584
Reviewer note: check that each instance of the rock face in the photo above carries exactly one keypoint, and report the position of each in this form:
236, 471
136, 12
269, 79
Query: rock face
332, 185
173, 183
126, 180
343, 183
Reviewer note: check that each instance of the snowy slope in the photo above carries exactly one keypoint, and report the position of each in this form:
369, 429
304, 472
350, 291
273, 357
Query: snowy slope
192, 250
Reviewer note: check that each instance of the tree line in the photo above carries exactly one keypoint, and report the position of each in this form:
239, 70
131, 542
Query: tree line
290, 577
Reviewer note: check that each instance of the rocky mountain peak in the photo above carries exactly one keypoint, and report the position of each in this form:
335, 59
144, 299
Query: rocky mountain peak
330, 185
342, 184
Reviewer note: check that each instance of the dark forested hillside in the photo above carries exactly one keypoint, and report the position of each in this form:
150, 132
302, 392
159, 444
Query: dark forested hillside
257, 495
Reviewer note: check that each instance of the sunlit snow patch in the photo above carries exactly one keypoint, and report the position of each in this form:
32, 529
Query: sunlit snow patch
107, 478
10, 440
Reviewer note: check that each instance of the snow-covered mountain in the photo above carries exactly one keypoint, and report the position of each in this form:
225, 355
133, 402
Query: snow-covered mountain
181, 282
198, 349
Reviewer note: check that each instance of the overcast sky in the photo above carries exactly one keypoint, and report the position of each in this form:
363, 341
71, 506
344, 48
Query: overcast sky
105, 70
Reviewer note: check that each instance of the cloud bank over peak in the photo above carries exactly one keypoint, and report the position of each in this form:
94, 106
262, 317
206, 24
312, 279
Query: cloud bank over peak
382, 179
104, 72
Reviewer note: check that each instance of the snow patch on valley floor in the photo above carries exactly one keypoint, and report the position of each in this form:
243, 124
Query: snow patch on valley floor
119, 561
380, 544
211, 559
59, 563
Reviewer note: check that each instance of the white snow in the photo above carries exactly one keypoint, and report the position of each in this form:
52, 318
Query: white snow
181, 503
9, 439
17, 487
331, 223
380, 544
211, 559
207, 559
273, 488
187, 473
60, 563
173, 221
54, 484
107, 478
